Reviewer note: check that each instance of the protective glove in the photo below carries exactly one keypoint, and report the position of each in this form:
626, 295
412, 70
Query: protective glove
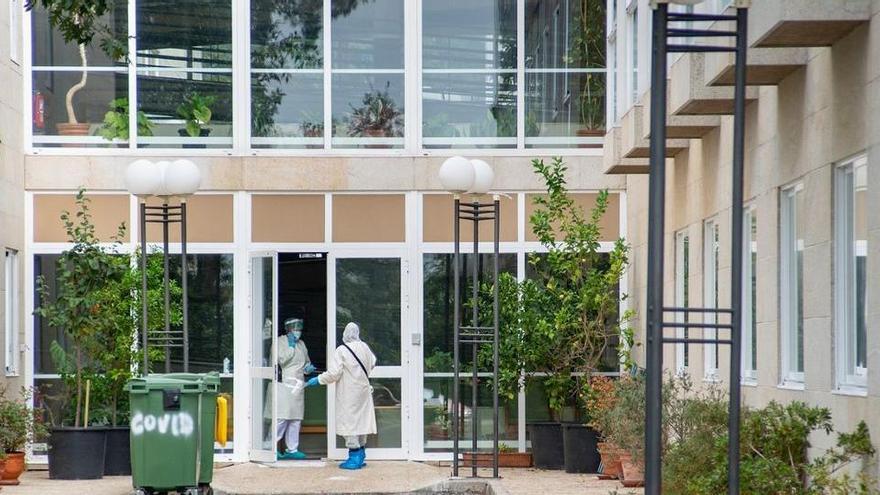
313, 382
309, 369
291, 339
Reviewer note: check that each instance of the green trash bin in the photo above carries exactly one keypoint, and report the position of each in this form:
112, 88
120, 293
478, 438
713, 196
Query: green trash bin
172, 432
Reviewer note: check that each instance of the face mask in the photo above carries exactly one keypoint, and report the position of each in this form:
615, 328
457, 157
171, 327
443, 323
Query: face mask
296, 334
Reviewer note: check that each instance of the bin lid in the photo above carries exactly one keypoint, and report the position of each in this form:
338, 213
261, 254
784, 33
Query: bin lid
185, 382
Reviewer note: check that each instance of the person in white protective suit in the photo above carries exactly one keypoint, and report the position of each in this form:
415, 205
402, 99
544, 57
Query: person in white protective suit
293, 359
350, 370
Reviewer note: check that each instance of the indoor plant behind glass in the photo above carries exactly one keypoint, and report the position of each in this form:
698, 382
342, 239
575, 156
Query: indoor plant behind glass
19, 424
378, 116
196, 113
588, 51
116, 122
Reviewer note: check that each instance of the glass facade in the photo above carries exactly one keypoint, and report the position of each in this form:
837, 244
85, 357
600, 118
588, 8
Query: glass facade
328, 74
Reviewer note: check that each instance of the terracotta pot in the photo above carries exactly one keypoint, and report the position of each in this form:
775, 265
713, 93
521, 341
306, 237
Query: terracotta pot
376, 133
67, 129
610, 461
13, 468
505, 459
584, 132
633, 472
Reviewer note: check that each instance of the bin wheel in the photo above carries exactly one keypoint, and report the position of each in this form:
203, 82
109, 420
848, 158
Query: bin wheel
192, 491
206, 490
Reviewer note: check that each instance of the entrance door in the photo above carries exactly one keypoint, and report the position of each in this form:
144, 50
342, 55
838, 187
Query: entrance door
263, 328
368, 286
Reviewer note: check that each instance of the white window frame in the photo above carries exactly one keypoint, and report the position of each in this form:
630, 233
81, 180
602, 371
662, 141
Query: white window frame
633, 53
15, 8
789, 246
682, 296
847, 249
749, 333
412, 144
12, 324
711, 250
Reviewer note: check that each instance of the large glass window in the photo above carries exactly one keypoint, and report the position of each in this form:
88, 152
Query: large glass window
792, 223
438, 357
711, 248
750, 295
565, 73
287, 74
73, 86
469, 62
184, 72
851, 254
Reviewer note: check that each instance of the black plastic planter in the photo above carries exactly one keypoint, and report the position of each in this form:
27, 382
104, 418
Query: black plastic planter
547, 448
202, 133
580, 443
77, 453
117, 457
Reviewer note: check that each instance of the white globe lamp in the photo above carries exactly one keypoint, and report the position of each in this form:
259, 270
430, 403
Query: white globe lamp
457, 174
142, 178
162, 166
483, 177
182, 178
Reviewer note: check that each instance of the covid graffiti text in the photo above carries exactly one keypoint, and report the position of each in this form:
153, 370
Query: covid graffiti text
178, 424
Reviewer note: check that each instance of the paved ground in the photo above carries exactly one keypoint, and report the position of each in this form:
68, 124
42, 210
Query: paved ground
316, 478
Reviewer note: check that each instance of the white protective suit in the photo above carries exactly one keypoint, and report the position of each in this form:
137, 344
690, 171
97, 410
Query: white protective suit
355, 414
289, 395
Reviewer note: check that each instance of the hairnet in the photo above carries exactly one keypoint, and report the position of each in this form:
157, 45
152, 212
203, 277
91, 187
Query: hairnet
352, 333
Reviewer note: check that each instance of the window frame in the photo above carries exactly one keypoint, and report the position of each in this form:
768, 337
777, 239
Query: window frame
12, 314
240, 143
711, 252
682, 296
789, 318
847, 250
15, 41
749, 332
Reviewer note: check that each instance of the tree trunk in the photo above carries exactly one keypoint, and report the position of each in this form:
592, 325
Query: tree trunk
78, 385
68, 100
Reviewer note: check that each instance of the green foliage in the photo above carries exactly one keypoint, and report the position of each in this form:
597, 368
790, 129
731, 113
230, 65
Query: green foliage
19, 423
378, 113
116, 121
588, 51
439, 362
565, 320
624, 424
196, 111
774, 443
79, 21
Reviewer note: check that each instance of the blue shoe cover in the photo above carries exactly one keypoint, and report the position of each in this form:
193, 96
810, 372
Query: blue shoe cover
356, 461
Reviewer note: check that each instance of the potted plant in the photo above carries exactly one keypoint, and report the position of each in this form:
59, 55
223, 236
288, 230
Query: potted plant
76, 304
378, 116
588, 51
196, 113
19, 424
508, 457
599, 401
561, 325
116, 122
626, 427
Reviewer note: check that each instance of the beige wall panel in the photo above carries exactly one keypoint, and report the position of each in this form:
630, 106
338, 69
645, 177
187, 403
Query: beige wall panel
287, 218
108, 212
208, 219
438, 222
610, 223
369, 218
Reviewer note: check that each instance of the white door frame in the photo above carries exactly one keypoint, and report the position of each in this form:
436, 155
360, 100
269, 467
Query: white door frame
403, 372
261, 372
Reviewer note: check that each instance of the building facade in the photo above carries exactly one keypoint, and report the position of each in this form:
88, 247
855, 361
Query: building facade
320, 197
812, 147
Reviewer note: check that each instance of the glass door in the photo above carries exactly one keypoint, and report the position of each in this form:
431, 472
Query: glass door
369, 287
263, 328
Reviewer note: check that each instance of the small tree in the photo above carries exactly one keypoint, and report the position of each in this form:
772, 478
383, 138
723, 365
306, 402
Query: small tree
562, 322
82, 274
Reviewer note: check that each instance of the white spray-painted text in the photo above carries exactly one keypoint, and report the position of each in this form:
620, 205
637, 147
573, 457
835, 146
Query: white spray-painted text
175, 424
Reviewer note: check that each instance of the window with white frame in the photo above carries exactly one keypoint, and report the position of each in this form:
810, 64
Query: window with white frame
682, 296
750, 295
330, 74
634, 53
11, 325
850, 262
711, 247
15, 9
791, 264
